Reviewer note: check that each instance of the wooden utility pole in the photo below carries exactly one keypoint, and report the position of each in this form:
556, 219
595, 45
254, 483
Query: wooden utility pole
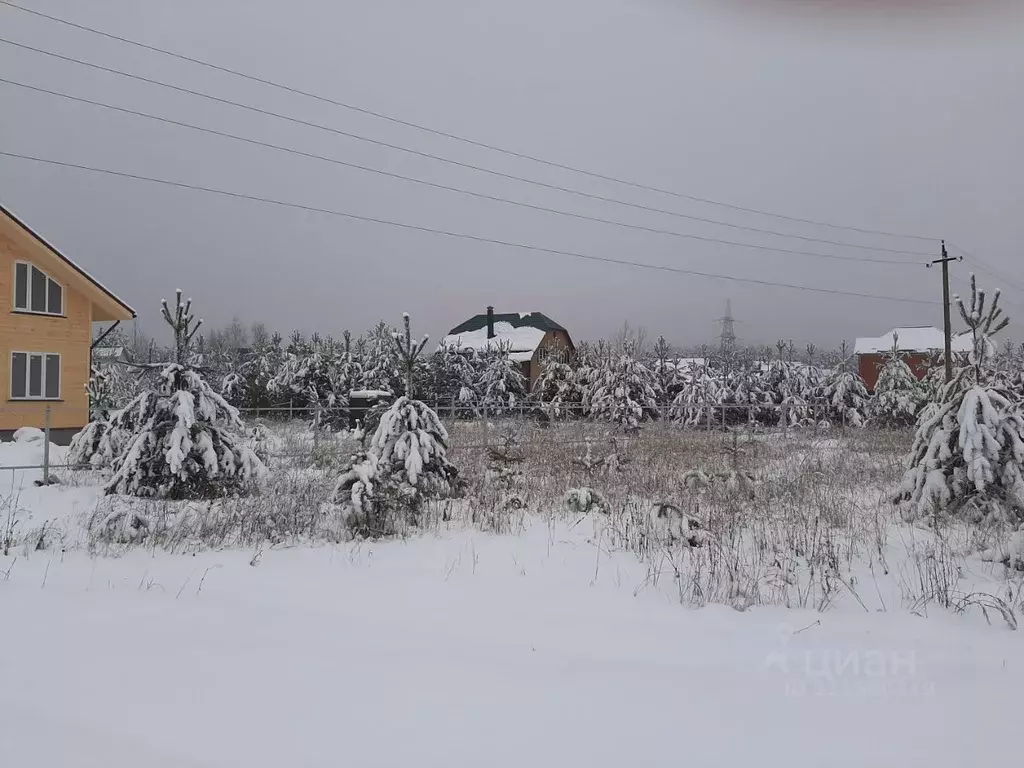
947, 328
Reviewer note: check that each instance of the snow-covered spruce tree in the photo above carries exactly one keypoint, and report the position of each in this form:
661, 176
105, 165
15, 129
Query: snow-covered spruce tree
502, 385
968, 454
843, 395
450, 380
556, 389
382, 368
382, 489
898, 394
622, 391
665, 369
699, 392
782, 387
234, 388
260, 367
180, 439
309, 379
85, 445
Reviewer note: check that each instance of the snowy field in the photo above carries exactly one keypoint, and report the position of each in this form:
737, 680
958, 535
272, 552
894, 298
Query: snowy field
812, 627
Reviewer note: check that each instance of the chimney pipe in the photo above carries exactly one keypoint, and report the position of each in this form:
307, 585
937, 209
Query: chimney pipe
490, 322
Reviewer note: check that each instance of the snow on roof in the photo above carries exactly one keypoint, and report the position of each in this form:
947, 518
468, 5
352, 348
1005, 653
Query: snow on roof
918, 339
369, 394
108, 351
520, 341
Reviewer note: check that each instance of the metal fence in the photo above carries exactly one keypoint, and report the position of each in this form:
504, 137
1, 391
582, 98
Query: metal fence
312, 434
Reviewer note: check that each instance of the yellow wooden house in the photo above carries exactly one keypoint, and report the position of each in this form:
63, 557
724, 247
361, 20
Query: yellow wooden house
47, 308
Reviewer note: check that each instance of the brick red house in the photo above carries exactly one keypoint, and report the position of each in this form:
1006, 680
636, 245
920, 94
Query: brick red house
917, 345
528, 336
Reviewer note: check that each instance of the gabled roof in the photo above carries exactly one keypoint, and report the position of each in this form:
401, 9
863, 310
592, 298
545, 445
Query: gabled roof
536, 320
521, 333
923, 338
68, 262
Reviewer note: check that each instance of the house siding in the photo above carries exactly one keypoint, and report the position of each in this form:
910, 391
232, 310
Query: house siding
558, 339
69, 336
870, 365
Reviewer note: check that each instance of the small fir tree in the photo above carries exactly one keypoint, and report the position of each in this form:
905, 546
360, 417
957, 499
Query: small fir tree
898, 394
968, 454
85, 448
382, 489
180, 439
557, 390
698, 394
623, 391
502, 385
844, 395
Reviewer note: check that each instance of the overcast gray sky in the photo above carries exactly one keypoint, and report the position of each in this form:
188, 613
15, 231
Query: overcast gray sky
907, 122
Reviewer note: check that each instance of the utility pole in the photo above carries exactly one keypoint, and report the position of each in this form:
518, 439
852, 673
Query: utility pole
947, 328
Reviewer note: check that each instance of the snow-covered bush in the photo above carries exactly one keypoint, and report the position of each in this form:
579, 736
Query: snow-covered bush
698, 394
179, 439
557, 390
845, 397
622, 391
85, 448
670, 525
451, 379
502, 386
582, 501
382, 366
898, 394
381, 490
968, 453
310, 378
234, 388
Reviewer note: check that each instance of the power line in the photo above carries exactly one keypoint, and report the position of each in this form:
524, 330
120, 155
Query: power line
460, 235
439, 158
450, 188
459, 138
988, 268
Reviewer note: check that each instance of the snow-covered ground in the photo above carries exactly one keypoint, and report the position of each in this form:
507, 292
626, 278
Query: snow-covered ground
473, 650
462, 648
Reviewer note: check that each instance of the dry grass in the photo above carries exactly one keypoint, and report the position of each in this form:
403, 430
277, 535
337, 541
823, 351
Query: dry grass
817, 531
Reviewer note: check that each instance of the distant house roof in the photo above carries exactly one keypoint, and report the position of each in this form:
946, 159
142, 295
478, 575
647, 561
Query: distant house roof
915, 339
537, 320
108, 353
520, 332
53, 250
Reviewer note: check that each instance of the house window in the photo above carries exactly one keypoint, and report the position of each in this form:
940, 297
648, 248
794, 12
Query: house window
35, 376
34, 291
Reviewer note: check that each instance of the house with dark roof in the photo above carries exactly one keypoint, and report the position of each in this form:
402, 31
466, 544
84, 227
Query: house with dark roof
530, 338
46, 318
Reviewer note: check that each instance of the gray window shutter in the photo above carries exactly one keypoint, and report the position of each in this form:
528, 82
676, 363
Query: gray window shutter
19, 363
38, 291
55, 304
35, 375
52, 377
21, 286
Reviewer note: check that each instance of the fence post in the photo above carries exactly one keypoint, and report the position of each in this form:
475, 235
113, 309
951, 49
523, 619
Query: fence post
724, 424
291, 409
487, 436
46, 447
316, 429
709, 418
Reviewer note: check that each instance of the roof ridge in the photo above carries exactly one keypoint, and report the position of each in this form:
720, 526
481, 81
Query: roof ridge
53, 249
